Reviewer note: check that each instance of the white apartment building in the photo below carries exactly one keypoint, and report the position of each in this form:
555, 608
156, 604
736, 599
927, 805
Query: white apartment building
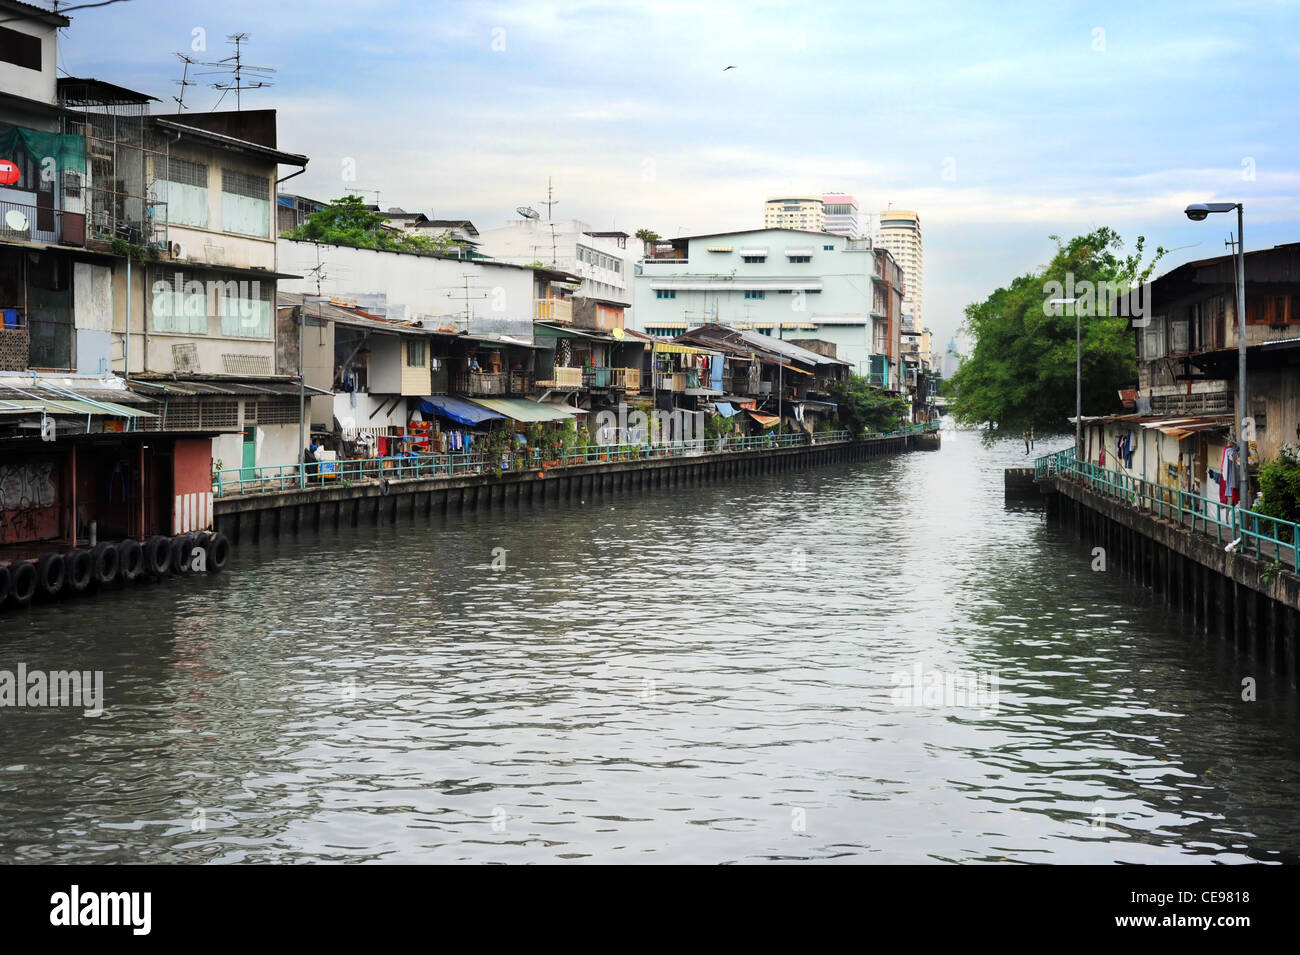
841, 213
786, 283
604, 259
900, 233
795, 212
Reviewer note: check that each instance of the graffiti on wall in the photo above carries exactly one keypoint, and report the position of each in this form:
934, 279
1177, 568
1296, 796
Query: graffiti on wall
27, 499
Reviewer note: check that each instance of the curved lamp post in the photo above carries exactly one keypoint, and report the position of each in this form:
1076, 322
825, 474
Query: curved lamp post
1198, 212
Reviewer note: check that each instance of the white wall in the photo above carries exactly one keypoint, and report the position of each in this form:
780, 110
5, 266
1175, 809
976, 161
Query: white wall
413, 286
833, 292
33, 84
354, 410
523, 241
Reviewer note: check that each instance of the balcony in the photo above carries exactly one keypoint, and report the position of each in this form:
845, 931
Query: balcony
520, 382
670, 381
486, 384
562, 378
595, 377
625, 379
25, 222
555, 310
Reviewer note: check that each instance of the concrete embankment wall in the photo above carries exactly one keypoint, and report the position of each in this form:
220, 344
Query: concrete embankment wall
251, 518
1246, 600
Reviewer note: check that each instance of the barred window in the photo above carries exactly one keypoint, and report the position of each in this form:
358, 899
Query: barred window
219, 414
273, 411
238, 183
181, 414
187, 173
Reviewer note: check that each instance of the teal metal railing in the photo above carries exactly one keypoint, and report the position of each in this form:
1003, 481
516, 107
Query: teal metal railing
1050, 464
253, 480
1258, 535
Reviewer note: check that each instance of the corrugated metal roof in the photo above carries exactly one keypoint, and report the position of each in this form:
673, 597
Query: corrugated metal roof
521, 409
69, 406
187, 387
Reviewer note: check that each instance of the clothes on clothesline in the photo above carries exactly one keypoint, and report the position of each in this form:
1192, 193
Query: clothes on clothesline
1229, 475
1124, 449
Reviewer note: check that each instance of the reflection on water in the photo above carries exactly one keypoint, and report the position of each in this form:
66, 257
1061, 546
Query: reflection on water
705, 675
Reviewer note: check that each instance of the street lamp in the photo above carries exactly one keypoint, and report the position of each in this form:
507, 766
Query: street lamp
1078, 374
1198, 212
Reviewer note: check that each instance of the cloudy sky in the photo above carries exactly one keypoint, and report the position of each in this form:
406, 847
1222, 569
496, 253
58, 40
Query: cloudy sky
1001, 123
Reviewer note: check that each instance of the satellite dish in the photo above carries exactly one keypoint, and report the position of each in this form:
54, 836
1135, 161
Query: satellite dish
528, 213
16, 220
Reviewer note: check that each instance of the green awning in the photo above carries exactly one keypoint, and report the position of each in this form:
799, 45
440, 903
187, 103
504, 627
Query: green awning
521, 409
71, 406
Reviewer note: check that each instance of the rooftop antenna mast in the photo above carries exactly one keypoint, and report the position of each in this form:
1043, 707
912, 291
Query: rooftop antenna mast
469, 293
318, 271
368, 192
549, 201
236, 67
184, 81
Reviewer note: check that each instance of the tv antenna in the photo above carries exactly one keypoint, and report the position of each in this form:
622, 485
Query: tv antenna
548, 201
236, 68
468, 294
185, 80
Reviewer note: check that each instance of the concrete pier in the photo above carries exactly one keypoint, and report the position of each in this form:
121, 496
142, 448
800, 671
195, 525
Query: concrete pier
250, 518
1250, 602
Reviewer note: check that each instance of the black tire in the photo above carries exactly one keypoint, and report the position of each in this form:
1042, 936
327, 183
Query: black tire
4, 583
201, 538
158, 555
22, 582
50, 574
218, 553
130, 560
78, 570
182, 553
107, 562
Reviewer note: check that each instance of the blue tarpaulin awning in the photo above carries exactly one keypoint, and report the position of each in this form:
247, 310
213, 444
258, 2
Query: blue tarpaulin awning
461, 412
725, 409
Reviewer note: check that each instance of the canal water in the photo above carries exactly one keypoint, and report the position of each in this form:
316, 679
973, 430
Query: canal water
716, 674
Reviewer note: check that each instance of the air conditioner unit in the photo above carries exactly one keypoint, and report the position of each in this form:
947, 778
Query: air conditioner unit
177, 250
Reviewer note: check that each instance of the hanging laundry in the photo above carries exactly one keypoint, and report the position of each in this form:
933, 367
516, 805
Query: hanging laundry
1229, 476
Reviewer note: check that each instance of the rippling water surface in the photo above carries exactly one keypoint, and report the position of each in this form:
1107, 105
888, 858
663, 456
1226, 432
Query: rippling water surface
705, 675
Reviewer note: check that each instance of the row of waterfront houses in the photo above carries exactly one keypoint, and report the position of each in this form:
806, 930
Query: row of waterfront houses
161, 337
1178, 431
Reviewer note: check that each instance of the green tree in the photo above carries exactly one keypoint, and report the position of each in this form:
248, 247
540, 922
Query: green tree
862, 407
1279, 484
647, 235
1021, 371
348, 222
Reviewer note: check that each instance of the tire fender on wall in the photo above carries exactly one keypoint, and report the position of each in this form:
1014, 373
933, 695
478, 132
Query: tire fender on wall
130, 560
158, 555
78, 569
50, 573
218, 553
22, 582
